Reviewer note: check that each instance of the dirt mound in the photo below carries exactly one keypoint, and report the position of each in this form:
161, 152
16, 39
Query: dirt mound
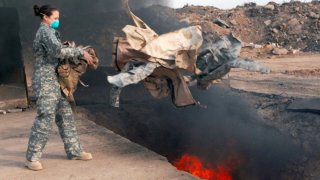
294, 26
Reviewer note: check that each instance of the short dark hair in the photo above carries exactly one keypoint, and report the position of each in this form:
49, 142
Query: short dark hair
43, 10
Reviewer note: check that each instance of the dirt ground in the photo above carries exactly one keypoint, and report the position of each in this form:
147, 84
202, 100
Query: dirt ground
297, 76
292, 25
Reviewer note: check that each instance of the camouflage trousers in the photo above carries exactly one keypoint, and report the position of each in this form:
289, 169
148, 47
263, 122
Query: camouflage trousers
50, 109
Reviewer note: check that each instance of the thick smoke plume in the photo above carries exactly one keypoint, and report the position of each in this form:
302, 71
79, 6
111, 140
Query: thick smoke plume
228, 130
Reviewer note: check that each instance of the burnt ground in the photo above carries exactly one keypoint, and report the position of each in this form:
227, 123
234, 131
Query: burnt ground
301, 125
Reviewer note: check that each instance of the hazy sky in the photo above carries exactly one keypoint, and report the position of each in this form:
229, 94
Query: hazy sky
222, 4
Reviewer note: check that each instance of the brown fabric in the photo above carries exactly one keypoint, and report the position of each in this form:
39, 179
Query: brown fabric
172, 50
70, 70
166, 49
177, 49
190, 64
162, 82
122, 53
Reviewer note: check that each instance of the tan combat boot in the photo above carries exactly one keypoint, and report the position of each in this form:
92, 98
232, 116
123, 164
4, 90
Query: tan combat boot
33, 165
83, 156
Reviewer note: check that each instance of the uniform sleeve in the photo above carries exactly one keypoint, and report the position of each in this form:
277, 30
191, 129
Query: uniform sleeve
55, 49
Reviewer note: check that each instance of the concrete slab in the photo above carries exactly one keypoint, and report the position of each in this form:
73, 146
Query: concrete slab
114, 156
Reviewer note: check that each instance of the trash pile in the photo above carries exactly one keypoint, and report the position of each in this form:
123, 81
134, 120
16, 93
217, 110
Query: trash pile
277, 29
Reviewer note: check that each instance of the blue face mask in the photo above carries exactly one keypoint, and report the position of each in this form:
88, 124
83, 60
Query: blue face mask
55, 24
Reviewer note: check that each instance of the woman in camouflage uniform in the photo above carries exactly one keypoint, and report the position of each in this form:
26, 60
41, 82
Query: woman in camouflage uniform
51, 104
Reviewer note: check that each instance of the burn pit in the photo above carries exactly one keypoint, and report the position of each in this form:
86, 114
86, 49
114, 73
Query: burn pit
227, 139
194, 165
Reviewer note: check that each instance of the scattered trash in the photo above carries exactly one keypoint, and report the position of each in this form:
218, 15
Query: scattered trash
221, 23
269, 7
293, 24
15, 110
3, 112
280, 51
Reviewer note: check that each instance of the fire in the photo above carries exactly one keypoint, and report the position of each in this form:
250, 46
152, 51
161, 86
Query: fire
194, 166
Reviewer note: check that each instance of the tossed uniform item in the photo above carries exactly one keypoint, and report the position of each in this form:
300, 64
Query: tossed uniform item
217, 58
158, 61
155, 59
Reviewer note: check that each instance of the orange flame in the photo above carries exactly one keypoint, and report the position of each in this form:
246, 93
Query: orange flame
194, 166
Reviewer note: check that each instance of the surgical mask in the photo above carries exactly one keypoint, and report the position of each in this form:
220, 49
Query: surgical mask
55, 24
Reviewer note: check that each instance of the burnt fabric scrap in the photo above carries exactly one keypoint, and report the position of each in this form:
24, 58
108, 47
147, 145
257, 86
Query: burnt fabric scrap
69, 71
158, 60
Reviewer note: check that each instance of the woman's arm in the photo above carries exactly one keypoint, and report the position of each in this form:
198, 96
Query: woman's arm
55, 49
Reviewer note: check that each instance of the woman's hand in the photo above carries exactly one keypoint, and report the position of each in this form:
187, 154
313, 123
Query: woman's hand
88, 58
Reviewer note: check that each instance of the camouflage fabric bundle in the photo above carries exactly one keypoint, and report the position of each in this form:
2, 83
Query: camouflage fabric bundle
160, 61
69, 71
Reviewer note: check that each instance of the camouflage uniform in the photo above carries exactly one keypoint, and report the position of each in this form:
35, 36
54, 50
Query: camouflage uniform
51, 104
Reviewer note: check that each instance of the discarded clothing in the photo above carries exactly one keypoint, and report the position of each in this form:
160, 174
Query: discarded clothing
176, 49
171, 51
132, 73
159, 81
156, 61
179, 47
217, 59
164, 82
69, 71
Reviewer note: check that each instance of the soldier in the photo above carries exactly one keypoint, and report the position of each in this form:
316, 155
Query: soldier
51, 104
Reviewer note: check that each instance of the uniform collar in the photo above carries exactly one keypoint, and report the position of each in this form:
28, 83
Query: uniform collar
42, 24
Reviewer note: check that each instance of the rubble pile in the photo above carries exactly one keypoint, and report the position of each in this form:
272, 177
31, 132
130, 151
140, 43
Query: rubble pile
277, 29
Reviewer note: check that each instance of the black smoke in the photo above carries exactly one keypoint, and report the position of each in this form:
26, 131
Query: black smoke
90, 22
224, 130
